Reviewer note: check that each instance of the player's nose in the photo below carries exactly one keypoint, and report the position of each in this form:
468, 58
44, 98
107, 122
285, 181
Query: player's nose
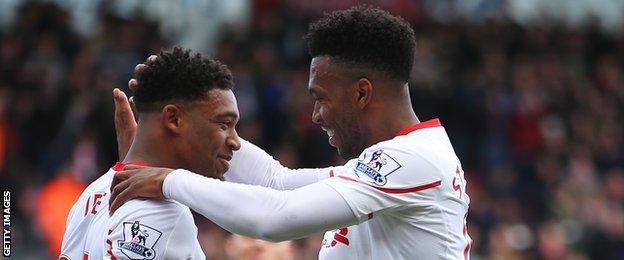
233, 141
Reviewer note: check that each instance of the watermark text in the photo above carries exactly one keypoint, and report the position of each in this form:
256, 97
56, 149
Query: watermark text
6, 223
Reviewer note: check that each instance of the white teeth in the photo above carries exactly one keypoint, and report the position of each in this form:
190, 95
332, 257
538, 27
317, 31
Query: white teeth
330, 133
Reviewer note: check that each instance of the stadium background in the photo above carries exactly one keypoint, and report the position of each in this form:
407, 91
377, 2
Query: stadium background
531, 93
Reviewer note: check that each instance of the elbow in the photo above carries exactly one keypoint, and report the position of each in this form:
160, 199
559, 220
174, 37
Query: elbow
275, 228
273, 234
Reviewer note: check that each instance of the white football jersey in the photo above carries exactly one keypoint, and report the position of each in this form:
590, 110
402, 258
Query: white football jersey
409, 194
140, 229
86, 229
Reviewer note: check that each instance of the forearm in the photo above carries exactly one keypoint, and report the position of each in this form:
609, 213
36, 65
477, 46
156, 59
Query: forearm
258, 211
252, 165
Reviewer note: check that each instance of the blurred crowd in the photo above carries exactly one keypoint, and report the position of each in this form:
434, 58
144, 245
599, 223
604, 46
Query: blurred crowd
534, 112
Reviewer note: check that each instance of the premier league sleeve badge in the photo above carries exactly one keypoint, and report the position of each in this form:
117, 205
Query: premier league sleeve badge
139, 241
376, 165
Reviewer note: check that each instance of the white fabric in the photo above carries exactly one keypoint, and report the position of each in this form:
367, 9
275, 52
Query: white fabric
167, 229
411, 187
416, 197
260, 212
88, 226
86, 223
252, 165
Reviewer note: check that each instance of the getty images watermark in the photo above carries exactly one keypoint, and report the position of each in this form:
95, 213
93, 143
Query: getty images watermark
6, 223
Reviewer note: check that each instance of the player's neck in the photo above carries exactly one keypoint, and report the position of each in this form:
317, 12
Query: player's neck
390, 128
396, 113
145, 149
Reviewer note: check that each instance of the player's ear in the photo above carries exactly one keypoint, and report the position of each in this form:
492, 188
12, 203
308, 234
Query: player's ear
171, 118
364, 89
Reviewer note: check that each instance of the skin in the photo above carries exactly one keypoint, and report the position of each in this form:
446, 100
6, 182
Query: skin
357, 107
245, 248
353, 105
239, 247
337, 100
174, 131
213, 122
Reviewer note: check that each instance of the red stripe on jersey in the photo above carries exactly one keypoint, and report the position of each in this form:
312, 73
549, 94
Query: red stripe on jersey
467, 250
426, 124
341, 236
110, 246
119, 166
398, 190
87, 206
469, 244
331, 173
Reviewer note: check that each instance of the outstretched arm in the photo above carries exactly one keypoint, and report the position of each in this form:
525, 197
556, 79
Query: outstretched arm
243, 209
261, 212
252, 165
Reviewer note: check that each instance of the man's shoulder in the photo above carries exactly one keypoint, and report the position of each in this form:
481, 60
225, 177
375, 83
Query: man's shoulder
145, 207
401, 161
417, 147
160, 217
95, 191
420, 139
403, 150
141, 228
102, 183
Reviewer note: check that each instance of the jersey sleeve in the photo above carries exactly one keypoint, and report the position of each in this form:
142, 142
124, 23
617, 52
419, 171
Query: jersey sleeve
72, 246
143, 229
252, 165
386, 178
260, 212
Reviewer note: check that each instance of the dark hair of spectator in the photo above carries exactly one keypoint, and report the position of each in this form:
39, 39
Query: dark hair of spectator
365, 37
179, 75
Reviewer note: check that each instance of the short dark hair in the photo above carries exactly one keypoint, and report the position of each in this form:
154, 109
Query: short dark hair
180, 75
366, 37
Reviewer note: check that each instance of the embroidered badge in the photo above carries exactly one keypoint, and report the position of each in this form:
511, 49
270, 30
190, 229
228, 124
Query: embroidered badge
139, 241
377, 165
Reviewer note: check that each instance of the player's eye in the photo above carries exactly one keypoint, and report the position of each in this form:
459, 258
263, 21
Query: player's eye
224, 126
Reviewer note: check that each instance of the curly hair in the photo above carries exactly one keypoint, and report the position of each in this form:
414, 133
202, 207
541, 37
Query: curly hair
181, 76
366, 37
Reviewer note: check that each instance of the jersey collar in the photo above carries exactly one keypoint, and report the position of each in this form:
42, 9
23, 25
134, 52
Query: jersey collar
427, 124
119, 166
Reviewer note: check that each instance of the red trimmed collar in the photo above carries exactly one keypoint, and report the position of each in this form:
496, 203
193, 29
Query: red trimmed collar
427, 124
119, 166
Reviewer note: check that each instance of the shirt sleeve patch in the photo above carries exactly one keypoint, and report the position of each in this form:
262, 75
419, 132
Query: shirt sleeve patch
139, 240
376, 166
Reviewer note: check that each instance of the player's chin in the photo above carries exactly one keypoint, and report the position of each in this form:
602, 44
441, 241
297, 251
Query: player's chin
347, 152
339, 147
222, 166
343, 154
